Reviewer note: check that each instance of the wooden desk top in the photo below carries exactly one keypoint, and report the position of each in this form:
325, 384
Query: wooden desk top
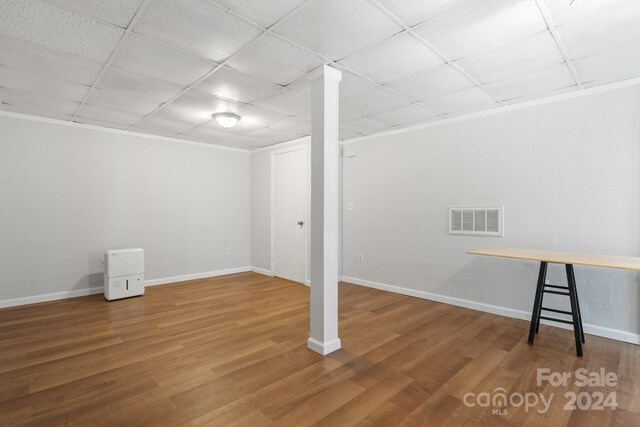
607, 261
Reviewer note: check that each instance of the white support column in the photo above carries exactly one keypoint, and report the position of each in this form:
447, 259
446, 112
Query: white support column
324, 210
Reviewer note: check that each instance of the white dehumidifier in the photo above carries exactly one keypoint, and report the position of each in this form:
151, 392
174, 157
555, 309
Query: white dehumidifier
123, 273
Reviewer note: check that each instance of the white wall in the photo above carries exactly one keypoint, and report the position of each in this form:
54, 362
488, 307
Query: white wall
69, 193
567, 173
261, 210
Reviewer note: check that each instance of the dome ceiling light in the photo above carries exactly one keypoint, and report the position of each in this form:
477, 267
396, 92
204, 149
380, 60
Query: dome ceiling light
226, 120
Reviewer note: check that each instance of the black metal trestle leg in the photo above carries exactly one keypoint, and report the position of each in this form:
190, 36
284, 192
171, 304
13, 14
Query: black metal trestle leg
573, 277
537, 302
570, 291
575, 311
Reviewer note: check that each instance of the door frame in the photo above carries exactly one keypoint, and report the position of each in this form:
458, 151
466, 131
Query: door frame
307, 209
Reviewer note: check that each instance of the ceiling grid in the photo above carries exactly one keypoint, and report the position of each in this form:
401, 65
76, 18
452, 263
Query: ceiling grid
176, 62
433, 49
556, 36
128, 30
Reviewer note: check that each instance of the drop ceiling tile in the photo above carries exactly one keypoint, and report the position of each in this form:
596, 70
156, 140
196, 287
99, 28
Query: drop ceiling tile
534, 53
345, 135
418, 122
413, 12
196, 26
303, 87
274, 135
207, 133
482, 25
392, 59
35, 58
304, 117
530, 84
246, 141
159, 124
461, 101
619, 65
374, 101
121, 101
567, 11
408, 114
144, 87
542, 95
265, 13
117, 12
352, 84
232, 84
32, 111
196, 107
240, 128
275, 60
365, 126
151, 59
431, 84
287, 102
38, 101
58, 29
101, 123
108, 115
294, 125
608, 32
12, 78
157, 132
259, 116
338, 28
349, 85
346, 115
211, 104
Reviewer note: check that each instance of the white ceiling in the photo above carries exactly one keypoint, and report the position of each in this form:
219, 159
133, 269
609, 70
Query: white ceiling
165, 66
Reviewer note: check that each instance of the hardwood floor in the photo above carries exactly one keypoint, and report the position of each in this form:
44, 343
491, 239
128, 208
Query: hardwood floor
232, 351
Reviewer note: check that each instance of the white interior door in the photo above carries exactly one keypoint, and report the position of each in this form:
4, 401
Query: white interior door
289, 227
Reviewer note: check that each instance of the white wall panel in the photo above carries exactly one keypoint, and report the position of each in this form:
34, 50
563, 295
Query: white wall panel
70, 193
567, 173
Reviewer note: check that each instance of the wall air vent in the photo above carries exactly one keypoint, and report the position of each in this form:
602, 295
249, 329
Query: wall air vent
478, 221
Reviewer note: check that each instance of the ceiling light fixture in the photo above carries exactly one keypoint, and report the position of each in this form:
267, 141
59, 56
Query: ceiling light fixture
226, 120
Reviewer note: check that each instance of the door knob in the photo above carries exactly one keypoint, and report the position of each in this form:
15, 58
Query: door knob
300, 223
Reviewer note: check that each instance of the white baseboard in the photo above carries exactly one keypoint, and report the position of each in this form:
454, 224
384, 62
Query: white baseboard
195, 276
262, 271
50, 297
98, 290
324, 348
258, 270
601, 331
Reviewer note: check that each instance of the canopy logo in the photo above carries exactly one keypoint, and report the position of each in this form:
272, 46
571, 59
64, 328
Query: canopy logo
499, 400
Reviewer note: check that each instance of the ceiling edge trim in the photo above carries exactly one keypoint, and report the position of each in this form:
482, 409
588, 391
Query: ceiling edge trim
118, 131
301, 140
498, 110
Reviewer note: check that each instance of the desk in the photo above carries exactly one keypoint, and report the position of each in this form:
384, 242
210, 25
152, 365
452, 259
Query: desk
569, 260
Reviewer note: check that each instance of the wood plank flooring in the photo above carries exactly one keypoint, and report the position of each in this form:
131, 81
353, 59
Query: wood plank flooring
232, 351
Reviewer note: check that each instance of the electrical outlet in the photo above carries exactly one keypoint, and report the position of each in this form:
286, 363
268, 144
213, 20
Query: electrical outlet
351, 206
230, 250
360, 258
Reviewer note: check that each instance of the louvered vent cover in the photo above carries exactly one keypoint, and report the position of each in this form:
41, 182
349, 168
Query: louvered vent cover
480, 221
